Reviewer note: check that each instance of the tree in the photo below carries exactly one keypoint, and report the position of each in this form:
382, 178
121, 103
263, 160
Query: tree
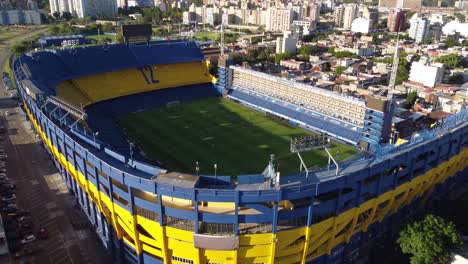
54, 30
403, 71
56, 15
256, 39
19, 49
430, 240
451, 42
282, 56
308, 50
457, 79
339, 70
67, 16
410, 99
465, 43
119, 38
451, 61
460, 17
108, 27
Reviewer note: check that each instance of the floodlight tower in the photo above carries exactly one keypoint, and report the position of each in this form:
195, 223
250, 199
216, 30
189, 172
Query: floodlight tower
396, 60
379, 111
221, 44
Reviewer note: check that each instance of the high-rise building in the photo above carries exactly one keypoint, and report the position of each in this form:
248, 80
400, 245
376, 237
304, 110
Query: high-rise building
396, 20
338, 15
22, 14
371, 14
314, 14
83, 8
349, 14
286, 43
419, 28
279, 19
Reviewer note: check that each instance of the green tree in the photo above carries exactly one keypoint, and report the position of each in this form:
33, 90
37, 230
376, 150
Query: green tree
403, 71
465, 43
460, 17
54, 30
67, 16
56, 15
108, 27
283, 56
410, 99
119, 38
451, 61
457, 79
256, 39
308, 50
19, 49
451, 42
252, 55
339, 70
430, 240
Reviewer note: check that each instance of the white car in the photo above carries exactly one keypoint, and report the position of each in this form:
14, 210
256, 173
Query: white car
28, 239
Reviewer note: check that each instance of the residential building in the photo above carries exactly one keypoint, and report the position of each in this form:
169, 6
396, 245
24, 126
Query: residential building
295, 65
30, 15
371, 14
286, 43
279, 19
84, 8
419, 28
396, 20
349, 14
305, 26
426, 73
338, 16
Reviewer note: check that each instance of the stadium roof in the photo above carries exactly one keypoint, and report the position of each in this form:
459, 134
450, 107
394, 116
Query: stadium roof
62, 37
178, 179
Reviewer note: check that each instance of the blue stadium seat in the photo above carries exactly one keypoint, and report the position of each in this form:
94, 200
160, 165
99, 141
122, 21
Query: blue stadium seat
320, 122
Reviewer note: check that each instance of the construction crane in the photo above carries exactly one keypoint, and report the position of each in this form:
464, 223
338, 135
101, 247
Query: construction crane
393, 74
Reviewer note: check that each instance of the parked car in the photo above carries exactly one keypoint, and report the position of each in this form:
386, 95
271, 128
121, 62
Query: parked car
8, 209
8, 185
43, 233
28, 239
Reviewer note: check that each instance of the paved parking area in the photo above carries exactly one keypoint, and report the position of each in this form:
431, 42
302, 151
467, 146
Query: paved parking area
41, 191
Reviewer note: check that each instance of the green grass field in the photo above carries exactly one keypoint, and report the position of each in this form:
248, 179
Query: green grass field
238, 139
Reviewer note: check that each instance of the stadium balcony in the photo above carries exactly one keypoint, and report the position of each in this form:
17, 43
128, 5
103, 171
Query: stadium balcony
316, 121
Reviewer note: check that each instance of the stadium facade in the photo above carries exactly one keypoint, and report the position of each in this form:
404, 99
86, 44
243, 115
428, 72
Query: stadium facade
144, 214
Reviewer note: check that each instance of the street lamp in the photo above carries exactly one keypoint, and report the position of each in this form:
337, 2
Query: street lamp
197, 167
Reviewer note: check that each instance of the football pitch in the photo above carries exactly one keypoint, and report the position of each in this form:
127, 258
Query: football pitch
219, 131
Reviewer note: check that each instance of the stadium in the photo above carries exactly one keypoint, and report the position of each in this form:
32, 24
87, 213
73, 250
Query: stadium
173, 165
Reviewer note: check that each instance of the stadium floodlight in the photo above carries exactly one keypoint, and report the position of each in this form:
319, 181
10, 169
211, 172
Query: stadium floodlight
307, 143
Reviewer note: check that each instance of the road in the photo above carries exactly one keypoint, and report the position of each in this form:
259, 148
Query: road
41, 191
